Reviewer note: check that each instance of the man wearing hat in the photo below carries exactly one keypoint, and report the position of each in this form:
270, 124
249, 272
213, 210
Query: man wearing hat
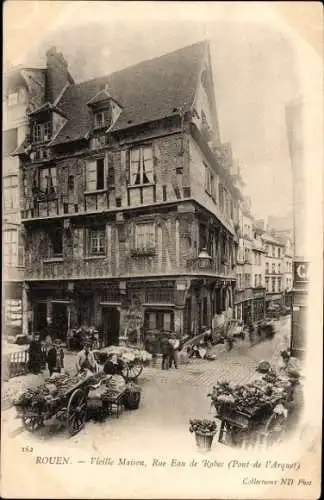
295, 400
86, 359
55, 358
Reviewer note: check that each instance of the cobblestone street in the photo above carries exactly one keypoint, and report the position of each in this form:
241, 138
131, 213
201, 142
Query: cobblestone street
170, 398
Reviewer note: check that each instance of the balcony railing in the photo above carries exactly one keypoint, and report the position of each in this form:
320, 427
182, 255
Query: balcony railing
211, 267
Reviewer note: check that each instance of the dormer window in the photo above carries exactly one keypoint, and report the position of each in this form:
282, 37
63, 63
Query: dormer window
42, 132
102, 118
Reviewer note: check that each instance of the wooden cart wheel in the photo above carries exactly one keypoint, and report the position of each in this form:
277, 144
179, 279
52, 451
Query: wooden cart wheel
134, 371
32, 423
76, 412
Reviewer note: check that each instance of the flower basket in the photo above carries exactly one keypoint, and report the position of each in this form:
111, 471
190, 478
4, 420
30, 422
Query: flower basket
132, 399
204, 441
205, 431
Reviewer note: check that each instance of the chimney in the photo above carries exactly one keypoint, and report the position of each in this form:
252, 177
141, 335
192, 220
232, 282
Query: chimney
57, 74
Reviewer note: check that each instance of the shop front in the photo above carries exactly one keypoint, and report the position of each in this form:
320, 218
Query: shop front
258, 304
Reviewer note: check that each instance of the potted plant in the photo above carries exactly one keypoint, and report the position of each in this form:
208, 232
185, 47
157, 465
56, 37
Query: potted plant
205, 431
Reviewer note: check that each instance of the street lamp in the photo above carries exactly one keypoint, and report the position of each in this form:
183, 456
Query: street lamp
204, 259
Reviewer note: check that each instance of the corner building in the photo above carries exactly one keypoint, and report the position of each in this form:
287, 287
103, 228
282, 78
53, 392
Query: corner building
124, 182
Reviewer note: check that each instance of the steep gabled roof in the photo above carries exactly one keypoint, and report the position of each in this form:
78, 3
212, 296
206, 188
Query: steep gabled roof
148, 91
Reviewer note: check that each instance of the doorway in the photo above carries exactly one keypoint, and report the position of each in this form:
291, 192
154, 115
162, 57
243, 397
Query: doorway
40, 322
110, 325
59, 320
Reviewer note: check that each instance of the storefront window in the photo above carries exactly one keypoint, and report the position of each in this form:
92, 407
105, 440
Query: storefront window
159, 320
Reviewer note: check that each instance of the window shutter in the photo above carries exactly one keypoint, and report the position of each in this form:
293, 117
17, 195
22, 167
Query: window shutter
91, 176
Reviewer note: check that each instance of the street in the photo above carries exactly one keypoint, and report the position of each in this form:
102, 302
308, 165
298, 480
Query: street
169, 399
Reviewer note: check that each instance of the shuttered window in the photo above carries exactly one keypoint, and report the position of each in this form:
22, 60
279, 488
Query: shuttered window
48, 179
10, 247
95, 174
144, 236
141, 166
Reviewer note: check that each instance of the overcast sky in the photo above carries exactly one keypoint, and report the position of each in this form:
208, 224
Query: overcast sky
255, 75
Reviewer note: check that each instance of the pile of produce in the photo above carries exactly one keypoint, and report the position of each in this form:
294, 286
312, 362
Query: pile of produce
248, 398
129, 355
205, 427
52, 390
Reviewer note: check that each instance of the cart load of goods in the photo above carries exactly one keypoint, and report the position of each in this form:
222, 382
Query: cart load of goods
52, 391
129, 355
254, 399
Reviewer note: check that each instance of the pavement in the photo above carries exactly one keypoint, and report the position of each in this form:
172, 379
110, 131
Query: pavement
170, 398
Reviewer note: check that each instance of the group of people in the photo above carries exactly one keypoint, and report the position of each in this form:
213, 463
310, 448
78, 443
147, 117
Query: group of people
170, 351
50, 353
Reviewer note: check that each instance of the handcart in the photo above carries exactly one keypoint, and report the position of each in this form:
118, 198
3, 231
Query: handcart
69, 406
259, 427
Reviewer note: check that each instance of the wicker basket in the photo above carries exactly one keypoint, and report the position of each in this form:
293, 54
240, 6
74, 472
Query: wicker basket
132, 400
204, 441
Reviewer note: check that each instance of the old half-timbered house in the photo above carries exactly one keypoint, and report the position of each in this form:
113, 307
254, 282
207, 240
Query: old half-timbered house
128, 202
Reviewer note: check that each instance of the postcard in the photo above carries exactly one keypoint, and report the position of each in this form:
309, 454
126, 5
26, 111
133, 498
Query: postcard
162, 250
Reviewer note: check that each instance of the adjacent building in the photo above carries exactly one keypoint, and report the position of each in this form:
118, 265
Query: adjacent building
274, 269
18, 96
128, 204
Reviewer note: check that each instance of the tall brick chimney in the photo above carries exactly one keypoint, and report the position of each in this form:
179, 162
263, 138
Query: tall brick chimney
57, 74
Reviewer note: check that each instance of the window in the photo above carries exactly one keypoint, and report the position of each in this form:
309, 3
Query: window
97, 241
10, 141
47, 179
273, 284
13, 99
56, 241
267, 284
102, 118
279, 252
247, 280
273, 269
221, 196
96, 175
255, 280
278, 268
42, 132
273, 252
141, 166
71, 182
279, 284
267, 268
159, 320
209, 182
144, 236
10, 193
10, 247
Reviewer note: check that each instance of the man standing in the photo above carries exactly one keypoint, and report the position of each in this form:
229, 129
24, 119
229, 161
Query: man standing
35, 355
174, 352
86, 359
166, 352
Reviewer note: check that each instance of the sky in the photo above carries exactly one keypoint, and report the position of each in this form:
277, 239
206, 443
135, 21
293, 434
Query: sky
255, 71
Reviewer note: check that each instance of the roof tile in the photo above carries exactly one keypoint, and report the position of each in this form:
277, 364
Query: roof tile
148, 91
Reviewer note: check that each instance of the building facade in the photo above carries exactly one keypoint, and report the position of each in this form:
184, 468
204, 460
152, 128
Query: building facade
258, 273
128, 204
274, 269
18, 90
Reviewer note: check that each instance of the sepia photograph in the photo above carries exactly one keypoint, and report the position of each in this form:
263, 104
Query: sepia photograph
162, 294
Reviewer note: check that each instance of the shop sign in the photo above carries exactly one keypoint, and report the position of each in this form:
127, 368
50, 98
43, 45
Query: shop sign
301, 271
13, 310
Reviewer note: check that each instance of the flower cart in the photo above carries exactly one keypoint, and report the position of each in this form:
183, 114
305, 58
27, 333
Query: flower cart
133, 359
250, 414
61, 396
